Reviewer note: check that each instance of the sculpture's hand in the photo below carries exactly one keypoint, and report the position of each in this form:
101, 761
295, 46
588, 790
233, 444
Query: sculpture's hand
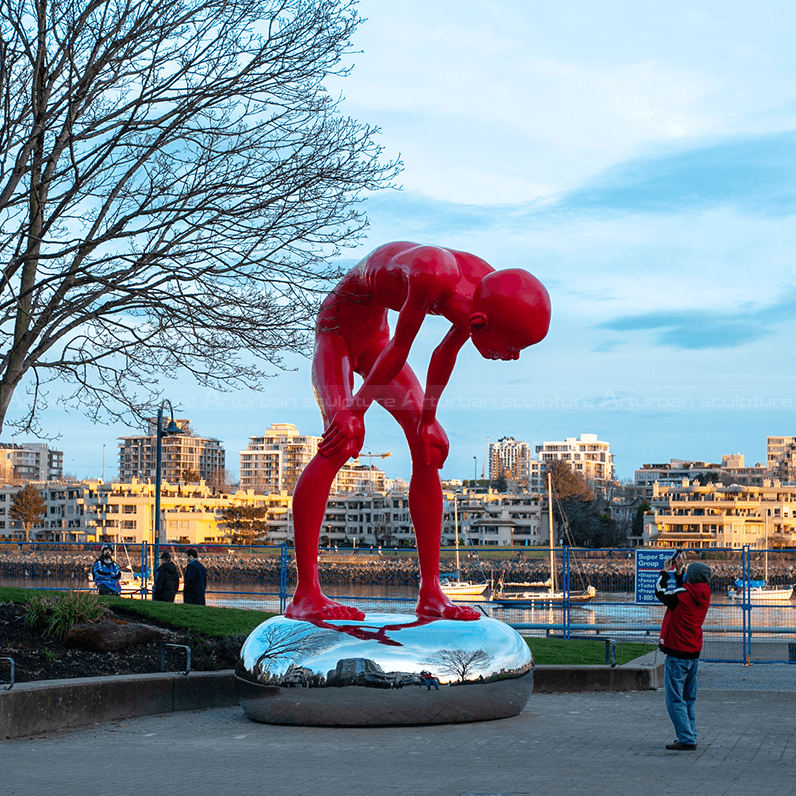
434, 444
345, 434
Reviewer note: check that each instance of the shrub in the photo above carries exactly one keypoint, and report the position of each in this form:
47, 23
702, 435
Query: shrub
55, 615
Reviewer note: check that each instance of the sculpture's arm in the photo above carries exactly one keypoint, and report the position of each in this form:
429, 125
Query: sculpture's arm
346, 432
432, 435
440, 368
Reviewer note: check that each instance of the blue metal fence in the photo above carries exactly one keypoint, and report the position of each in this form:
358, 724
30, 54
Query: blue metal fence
743, 628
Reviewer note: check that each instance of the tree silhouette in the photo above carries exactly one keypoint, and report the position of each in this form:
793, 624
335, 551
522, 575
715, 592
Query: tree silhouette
568, 484
245, 524
460, 663
279, 645
174, 179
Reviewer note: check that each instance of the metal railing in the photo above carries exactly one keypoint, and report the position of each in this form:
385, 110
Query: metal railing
386, 580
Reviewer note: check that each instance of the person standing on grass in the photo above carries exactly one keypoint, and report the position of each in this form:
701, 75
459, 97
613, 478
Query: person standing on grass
167, 580
194, 580
681, 640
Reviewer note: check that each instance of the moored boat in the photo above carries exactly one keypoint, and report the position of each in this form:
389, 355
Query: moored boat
759, 592
508, 597
454, 588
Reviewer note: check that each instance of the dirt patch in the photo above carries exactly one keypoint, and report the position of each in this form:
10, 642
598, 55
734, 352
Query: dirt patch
39, 658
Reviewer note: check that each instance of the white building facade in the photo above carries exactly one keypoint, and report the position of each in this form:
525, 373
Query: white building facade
586, 456
275, 460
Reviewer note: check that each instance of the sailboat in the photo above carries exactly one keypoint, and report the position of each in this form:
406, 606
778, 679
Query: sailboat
529, 595
759, 590
454, 587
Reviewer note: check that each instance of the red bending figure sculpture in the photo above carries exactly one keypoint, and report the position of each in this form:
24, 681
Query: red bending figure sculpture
501, 311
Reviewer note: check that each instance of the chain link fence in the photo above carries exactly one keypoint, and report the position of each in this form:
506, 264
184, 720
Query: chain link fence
564, 592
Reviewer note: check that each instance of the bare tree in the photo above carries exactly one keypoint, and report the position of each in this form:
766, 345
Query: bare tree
461, 663
174, 178
221, 481
568, 484
280, 644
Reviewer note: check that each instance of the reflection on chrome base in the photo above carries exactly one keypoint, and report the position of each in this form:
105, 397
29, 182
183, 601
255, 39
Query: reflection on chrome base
387, 669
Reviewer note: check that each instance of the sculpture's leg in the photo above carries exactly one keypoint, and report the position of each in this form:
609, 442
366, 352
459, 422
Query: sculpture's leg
333, 381
403, 399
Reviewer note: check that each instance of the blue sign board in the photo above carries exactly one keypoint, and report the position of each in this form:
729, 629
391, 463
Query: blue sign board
649, 563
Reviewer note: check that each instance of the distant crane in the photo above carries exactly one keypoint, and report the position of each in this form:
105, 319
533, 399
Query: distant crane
372, 456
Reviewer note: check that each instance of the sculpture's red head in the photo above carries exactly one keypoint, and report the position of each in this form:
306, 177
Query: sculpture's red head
511, 311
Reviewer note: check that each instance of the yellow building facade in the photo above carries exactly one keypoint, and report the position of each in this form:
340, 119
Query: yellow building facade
694, 516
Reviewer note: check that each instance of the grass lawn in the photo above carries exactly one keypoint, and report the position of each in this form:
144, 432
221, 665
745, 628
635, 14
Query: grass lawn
204, 619
578, 652
221, 622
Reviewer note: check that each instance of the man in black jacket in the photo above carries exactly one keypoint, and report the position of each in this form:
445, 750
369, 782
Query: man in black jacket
167, 580
195, 580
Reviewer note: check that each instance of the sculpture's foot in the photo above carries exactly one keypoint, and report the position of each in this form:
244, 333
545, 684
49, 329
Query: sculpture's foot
318, 606
438, 606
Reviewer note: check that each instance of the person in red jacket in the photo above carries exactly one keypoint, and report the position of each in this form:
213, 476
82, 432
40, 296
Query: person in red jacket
687, 605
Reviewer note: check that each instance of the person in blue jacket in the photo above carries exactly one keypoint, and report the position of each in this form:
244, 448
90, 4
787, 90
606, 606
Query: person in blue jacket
194, 580
106, 572
687, 604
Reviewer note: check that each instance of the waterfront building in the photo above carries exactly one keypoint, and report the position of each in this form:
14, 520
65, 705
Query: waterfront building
123, 513
693, 515
495, 519
510, 459
587, 456
276, 459
731, 471
735, 472
30, 461
781, 457
673, 473
485, 518
181, 453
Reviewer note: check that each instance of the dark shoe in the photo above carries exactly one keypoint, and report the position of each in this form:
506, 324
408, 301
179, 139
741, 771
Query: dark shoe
681, 747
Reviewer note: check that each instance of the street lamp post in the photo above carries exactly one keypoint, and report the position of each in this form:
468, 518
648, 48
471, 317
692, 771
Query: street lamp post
171, 429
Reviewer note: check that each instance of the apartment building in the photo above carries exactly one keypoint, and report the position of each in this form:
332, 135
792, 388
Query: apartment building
587, 456
673, 473
496, 519
510, 459
123, 513
731, 471
180, 453
30, 461
781, 457
275, 460
483, 519
703, 516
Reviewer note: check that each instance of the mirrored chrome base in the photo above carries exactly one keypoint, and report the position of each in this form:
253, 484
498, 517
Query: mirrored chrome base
388, 669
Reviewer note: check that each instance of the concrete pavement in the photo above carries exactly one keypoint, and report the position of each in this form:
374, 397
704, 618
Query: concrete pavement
591, 742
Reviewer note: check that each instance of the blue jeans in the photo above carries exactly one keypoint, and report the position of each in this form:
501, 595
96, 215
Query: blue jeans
680, 680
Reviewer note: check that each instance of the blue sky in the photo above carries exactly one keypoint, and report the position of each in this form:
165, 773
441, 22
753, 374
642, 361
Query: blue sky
639, 158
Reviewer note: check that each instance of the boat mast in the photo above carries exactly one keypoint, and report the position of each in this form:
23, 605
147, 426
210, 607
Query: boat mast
550, 524
456, 533
765, 544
